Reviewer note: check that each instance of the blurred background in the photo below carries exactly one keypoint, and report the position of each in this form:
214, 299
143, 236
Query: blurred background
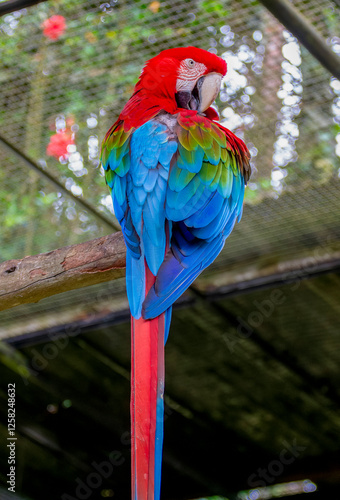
252, 382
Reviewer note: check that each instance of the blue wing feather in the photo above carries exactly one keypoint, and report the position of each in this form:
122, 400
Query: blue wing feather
197, 207
208, 211
174, 277
150, 152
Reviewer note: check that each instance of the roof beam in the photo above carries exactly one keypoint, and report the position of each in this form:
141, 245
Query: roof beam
13, 5
102, 260
301, 28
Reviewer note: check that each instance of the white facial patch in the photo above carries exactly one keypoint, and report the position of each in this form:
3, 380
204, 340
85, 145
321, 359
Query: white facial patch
188, 74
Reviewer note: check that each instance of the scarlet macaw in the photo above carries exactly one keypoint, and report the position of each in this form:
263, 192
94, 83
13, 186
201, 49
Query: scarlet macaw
177, 180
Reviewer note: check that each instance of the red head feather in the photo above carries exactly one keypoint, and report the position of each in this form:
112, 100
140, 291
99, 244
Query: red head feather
156, 86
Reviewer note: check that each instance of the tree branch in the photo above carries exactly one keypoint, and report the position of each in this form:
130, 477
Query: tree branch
33, 278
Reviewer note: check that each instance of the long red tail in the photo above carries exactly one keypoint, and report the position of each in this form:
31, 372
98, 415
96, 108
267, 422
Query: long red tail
147, 408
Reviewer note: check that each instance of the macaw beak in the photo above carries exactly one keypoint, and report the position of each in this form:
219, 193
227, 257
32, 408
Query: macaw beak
208, 88
202, 95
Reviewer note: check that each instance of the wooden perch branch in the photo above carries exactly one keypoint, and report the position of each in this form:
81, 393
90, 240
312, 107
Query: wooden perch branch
33, 278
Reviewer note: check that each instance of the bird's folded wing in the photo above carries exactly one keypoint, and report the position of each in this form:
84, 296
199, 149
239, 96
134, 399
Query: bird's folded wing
204, 199
137, 166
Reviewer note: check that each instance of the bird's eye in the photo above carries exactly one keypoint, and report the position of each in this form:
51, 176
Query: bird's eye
190, 63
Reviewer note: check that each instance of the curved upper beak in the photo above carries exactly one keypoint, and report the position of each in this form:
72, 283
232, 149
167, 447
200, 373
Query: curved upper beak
208, 91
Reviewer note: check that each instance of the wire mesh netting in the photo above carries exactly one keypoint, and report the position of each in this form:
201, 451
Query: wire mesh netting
63, 83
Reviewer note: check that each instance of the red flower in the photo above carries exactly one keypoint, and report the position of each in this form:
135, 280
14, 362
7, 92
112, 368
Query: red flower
57, 146
54, 27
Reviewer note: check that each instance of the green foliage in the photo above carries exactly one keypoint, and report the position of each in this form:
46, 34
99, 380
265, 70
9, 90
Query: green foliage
215, 6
